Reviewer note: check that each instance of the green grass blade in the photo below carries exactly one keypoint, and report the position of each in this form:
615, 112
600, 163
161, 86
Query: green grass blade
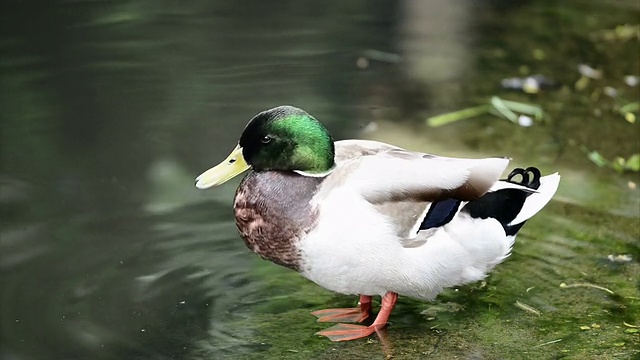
463, 114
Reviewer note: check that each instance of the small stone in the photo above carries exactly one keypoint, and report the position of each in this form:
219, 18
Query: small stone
631, 80
531, 85
610, 92
589, 72
585, 327
525, 121
362, 63
619, 258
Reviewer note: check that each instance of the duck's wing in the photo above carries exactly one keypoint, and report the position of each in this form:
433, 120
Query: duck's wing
419, 192
382, 173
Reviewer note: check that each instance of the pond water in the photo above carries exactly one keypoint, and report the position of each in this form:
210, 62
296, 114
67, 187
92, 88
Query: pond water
110, 110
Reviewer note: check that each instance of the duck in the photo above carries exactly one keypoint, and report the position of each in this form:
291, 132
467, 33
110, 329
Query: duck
366, 218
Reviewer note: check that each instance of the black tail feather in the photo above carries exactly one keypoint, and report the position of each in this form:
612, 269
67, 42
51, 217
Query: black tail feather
505, 204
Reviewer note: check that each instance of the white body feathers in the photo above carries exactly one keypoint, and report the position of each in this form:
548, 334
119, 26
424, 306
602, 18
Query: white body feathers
358, 249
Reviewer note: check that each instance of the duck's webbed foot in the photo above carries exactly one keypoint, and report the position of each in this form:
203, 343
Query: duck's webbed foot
345, 332
357, 314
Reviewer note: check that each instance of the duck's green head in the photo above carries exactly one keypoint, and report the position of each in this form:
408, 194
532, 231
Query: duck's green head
283, 139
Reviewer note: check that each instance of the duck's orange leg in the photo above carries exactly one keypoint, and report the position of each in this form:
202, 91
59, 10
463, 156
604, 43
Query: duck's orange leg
357, 314
344, 332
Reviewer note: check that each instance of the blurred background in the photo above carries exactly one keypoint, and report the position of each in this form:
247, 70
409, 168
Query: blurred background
109, 109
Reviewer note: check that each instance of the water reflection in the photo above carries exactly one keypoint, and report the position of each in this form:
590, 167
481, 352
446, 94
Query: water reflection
109, 110
122, 286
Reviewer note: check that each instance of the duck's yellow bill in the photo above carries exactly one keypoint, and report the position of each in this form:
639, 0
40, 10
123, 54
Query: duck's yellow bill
233, 165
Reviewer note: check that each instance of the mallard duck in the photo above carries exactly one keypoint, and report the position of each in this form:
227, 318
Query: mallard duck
367, 218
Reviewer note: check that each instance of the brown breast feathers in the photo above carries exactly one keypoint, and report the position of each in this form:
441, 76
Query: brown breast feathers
272, 212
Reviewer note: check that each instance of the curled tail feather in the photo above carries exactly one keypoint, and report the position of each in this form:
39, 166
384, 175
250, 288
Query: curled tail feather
516, 199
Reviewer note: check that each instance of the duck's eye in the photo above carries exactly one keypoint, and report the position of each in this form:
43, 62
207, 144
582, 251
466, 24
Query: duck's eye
266, 139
